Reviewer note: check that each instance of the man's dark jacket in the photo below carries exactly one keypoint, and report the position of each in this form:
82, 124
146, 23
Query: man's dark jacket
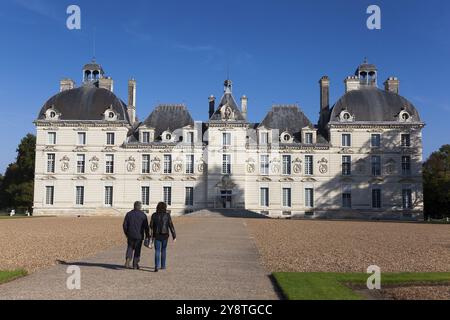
135, 225
160, 225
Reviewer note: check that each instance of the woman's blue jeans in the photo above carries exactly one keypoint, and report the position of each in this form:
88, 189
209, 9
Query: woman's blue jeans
160, 253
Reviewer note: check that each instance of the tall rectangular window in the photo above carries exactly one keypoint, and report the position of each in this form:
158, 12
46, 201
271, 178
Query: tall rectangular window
406, 165
226, 139
189, 197
346, 165
287, 164
49, 195
51, 162
190, 137
145, 137
264, 138
168, 195
109, 196
264, 200
264, 164
376, 198
145, 163
110, 138
145, 192
79, 197
287, 200
308, 138
346, 196
376, 166
190, 164
81, 163
346, 140
309, 197
81, 138
309, 165
167, 163
375, 140
406, 140
52, 138
109, 163
226, 164
407, 198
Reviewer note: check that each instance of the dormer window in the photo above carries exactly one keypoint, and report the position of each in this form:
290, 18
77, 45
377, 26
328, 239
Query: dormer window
110, 115
52, 114
190, 137
405, 116
167, 136
286, 137
345, 116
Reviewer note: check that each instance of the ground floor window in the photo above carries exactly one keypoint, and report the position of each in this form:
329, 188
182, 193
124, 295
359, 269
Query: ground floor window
376, 198
407, 199
145, 191
168, 195
108, 196
264, 193
287, 199
79, 197
49, 195
189, 197
309, 198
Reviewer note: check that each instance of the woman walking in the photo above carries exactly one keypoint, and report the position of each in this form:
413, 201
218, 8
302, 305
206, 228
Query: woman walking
160, 225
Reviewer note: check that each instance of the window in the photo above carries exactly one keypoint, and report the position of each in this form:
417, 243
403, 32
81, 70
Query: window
308, 138
346, 196
264, 193
287, 201
189, 198
190, 164
51, 163
49, 195
406, 165
110, 138
146, 164
190, 137
226, 139
375, 140
168, 137
264, 164
167, 164
226, 164
52, 138
81, 163
309, 165
376, 198
286, 137
168, 195
286, 164
309, 197
406, 140
346, 165
346, 140
109, 196
79, 197
376, 165
109, 163
81, 138
145, 192
407, 198
145, 137
264, 138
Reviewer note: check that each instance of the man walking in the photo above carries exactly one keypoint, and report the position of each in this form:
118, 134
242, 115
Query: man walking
135, 226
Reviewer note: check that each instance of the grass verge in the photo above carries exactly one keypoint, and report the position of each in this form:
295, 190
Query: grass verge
6, 276
332, 286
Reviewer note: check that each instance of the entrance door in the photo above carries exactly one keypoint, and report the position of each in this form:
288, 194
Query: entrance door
226, 197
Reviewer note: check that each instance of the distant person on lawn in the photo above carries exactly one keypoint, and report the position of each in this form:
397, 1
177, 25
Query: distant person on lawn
160, 225
135, 227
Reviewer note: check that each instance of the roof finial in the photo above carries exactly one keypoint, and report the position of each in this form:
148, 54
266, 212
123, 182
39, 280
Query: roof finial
365, 60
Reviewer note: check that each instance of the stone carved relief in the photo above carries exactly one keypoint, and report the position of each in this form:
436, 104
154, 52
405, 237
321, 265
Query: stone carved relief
131, 164
251, 165
297, 167
390, 166
323, 166
156, 165
94, 163
65, 163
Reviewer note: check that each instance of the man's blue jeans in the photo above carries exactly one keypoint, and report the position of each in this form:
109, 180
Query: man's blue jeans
160, 253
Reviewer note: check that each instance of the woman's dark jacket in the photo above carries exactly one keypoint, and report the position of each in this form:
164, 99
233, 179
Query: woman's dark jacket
160, 225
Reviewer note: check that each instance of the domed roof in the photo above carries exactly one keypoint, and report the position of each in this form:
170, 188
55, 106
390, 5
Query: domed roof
168, 117
85, 103
373, 104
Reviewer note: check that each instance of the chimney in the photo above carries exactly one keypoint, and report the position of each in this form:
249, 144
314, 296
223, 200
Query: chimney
106, 83
392, 84
352, 83
324, 94
66, 84
131, 109
212, 105
244, 103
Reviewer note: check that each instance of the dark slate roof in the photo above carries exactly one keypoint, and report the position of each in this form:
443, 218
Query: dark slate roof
85, 103
373, 104
169, 117
228, 99
286, 118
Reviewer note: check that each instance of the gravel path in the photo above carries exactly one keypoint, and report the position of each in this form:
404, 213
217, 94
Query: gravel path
417, 293
347, 246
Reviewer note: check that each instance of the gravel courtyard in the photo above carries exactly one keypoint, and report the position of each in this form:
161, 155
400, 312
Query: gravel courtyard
350, 246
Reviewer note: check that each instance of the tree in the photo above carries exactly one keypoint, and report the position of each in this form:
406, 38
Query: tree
436, 179
16, 187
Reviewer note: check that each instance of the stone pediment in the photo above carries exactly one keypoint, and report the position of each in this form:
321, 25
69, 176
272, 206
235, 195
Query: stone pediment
264, 179
286, 180
145, 178
48, 178
309, 180
80, 149
108, 178
189, 179
376, 180
167, 178
226, 183
79, 178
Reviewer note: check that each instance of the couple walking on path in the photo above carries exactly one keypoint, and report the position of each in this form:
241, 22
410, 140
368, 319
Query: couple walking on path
137, 228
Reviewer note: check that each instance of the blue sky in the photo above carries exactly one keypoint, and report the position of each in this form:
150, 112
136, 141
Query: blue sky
179, 52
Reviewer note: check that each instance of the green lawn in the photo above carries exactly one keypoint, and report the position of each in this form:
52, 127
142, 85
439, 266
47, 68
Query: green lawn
331, 286
6, 276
